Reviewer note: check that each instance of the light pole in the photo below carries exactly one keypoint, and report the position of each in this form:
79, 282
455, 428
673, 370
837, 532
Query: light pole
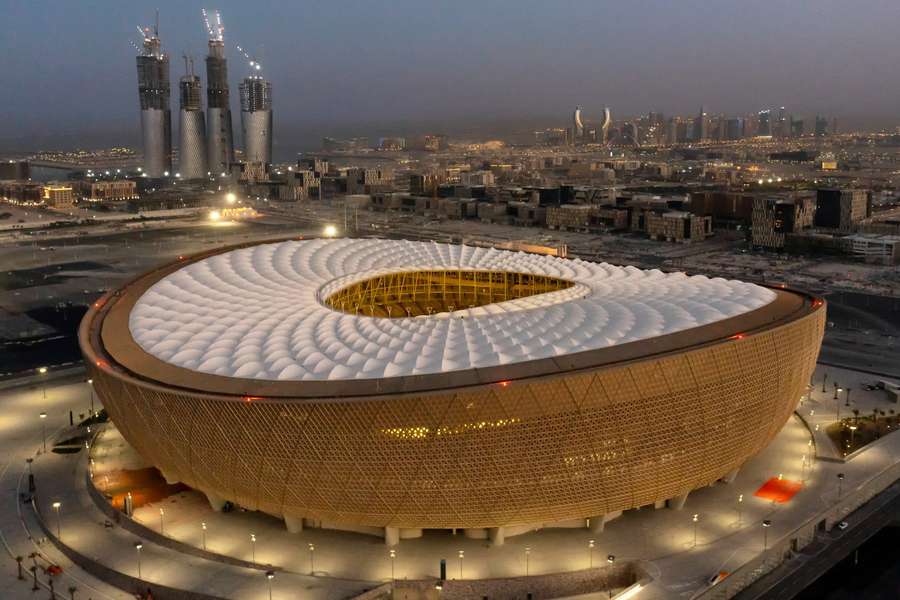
312, 564
740, 510
591, 554
824, 379
847, 397
611, 560
43, 417
766, 524
393, 554
162, 525
852, 432
462, 554
836, 390
56, 506
91, 388
270, 575
253, 546
203, 534
527, 557
138, 546
695, 518
43, 371
840, 477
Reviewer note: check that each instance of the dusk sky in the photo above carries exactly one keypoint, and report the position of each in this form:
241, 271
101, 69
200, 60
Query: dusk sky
69, 68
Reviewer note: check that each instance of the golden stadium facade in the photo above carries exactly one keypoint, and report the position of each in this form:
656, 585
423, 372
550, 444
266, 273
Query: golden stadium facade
368, 384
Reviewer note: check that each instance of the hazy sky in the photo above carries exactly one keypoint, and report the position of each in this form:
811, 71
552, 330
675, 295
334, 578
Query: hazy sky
68, 67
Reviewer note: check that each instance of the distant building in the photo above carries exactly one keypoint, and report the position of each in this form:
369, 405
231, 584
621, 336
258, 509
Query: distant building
677, 226
775, 217
118, 190
21, 192
392, 143
59, 196
701, 126
734, 128
365, 181
12, 169
156, 116
840, 209
434, 142
880, 249
764, 124
256, 119
472, 178
821, 126
577, 125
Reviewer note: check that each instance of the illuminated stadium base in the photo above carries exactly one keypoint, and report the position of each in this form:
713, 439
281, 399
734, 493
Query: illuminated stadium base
232, 379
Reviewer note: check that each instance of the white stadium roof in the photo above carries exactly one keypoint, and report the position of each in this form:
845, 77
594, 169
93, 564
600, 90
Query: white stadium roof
257, 313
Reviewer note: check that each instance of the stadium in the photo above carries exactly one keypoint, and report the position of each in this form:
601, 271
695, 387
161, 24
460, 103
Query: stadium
388, 386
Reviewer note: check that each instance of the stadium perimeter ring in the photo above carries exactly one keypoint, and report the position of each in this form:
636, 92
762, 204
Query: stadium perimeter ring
388, 386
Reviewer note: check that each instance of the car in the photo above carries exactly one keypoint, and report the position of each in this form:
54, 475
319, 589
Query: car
843, 525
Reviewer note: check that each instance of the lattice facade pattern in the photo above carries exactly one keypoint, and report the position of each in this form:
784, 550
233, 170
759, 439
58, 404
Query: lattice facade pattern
530, 451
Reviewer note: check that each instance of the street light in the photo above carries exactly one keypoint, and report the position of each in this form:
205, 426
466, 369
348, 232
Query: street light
462, 553
253, 546
329, 231
527, 556
740, 510
138, 546
90, 383
312, 567
840, 477
230, 197
56, 506
203, 534
766, 524
591, 553
162, 514
393, 554
43, 417
695, 518
270, 575
43, 371
847, 397
611, 560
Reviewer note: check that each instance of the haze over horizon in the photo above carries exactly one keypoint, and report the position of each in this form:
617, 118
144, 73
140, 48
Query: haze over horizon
362, 68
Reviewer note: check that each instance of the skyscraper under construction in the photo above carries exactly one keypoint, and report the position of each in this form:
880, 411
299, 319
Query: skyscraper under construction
219, 141
256, 118
192, 142
156, 117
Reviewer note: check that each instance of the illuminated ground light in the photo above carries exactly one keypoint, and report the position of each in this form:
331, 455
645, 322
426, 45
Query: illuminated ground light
778, 490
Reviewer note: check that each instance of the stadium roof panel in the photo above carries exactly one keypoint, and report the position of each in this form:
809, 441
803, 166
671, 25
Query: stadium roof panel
262, 312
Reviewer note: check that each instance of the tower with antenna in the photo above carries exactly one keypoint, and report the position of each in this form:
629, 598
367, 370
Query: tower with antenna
256, 114
219, 140
153, 91
192, 142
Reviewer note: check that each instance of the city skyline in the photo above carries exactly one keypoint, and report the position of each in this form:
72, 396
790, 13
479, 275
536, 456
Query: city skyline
482, 65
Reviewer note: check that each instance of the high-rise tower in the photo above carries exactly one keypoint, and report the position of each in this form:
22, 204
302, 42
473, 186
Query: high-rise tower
603, 132
192, 142
256, 116
153, 90
577, 125
219, 141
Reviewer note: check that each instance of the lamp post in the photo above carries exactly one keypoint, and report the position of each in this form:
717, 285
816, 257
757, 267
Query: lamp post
847, 397
43, 371
766, 524
162, 525
312, 563
824, 379
138, 546
270, 575
393, 554
591, 554
840, 477
836, 390
611, 560
253, 547
91, 388
203, 534
852, 432
43, 417
695, 518
527, 557
56, 506
462, 555
740, 510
